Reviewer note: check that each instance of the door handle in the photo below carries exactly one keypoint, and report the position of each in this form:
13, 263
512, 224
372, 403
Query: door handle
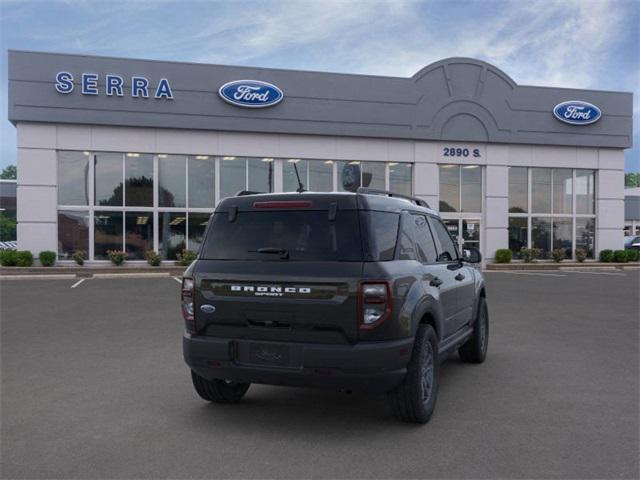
435, 282
459, 277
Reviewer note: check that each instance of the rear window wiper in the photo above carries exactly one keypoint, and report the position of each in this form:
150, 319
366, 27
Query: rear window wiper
283, 252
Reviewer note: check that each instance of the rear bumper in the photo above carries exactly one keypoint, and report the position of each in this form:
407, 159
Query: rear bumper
366, 366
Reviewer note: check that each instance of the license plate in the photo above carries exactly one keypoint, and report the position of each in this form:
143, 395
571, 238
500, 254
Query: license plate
269, 354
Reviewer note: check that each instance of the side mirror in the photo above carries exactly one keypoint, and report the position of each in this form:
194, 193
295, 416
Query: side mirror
471, 255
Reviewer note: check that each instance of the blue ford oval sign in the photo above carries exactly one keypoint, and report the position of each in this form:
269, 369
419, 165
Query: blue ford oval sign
577, 112
251, 93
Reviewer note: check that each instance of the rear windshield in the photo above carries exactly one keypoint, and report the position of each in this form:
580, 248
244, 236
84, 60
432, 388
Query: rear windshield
284, 235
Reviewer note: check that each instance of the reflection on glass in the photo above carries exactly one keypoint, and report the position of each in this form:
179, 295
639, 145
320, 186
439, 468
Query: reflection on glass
562, 190
373, 175
400, 177
541, 190
471, 188
73, 233
471, 232
107, 233
517, 235
202, 182
349, 173
562, 235
108, 179
173, 235
585, 235
541, 235
73, 178
320, 175
260, 174
138, 173
449, 188
289, 178
138, 234
197, 224
233, 176
171, 178
518, 190
585, 191
454, 229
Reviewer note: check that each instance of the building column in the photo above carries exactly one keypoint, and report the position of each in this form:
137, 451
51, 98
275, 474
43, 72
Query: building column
36, 194
426, 176
610, 200
496, 209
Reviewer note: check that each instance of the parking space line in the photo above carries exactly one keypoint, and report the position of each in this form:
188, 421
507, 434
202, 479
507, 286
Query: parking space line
533, 273
598, 273
78, 283
177, 280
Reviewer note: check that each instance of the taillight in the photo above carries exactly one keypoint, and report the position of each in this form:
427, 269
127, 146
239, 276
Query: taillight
374, 304
186, 300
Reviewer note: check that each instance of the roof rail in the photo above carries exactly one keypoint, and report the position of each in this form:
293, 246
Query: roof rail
242, 193
374, 191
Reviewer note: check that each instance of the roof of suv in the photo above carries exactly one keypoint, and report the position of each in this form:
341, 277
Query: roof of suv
322, 201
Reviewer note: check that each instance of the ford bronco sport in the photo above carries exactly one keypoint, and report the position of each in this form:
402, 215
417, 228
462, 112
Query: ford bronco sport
350, 291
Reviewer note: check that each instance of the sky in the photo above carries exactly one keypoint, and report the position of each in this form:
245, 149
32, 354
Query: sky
565, 43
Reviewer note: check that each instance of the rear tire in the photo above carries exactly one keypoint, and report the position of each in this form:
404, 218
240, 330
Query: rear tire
414, 400
475, 349
219, 391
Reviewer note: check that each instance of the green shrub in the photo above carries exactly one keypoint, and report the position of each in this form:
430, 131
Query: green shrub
606, 255
117, 257
503, 255
581, 254
80, 256
24, 258
526, 254
558, 255
153, 258
8, 258
633, 255
620, 256
47, 258
186, 257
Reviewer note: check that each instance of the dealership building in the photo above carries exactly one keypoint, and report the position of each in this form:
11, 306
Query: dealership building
133, 155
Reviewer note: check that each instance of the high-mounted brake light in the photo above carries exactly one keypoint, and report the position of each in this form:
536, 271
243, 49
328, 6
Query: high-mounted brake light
283, 204
186, 300
374, 304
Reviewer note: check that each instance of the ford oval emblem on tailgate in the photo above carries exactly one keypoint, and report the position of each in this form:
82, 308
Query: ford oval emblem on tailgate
206, 308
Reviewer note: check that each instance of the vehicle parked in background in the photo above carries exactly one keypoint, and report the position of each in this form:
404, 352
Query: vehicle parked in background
632, 241
360, 290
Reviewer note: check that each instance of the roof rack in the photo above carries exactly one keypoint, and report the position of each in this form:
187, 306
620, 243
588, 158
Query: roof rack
374, 191
242, 193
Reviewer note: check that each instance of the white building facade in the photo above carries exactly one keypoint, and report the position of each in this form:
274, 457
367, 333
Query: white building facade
101, 168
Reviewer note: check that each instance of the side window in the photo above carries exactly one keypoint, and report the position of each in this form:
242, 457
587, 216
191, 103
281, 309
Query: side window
383, 233
407, 241
416, 242
425, 238
448, 251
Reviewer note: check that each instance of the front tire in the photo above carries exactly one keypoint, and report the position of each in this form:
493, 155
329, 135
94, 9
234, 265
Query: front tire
475, 349
414, 400
219, 391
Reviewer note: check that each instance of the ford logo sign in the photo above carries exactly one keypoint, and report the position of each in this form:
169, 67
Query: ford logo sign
577, 112
250, 93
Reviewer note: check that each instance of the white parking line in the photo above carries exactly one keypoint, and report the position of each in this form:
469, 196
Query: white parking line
177, 280
78, 283
598, 273
531, 273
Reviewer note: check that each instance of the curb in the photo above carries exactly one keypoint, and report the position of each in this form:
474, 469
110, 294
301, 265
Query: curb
89, 272
498, 267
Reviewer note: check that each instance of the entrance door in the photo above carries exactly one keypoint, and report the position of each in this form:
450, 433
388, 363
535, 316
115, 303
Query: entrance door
464, 231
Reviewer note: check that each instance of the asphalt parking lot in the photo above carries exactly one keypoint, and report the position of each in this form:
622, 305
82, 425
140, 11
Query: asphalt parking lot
94, 386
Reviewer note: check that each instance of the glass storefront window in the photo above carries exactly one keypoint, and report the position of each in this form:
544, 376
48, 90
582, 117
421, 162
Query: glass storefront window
197, 224
138, 173
400, 177
73, 233
138, 236
541, 190
172, 188
518, 190
541, 235
320, 175
172, 231
233, 176
449, 188
585, 235
562, 235
107, 233
373, 174
585, 192
202, 178
341, 166
562, 190
260, 174
73, 178
471, 188
517, 235
289, 178
108, 179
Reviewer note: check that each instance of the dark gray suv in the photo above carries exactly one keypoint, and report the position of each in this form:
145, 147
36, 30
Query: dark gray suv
361, 290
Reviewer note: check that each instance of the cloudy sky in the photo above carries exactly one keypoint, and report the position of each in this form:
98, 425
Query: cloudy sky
568, 43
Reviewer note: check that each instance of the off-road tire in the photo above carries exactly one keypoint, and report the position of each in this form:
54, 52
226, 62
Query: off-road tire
409, 401
474, 350
219, 391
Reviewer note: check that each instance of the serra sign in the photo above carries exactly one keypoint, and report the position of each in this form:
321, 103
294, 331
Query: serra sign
577, 112
113, 85
250, 93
